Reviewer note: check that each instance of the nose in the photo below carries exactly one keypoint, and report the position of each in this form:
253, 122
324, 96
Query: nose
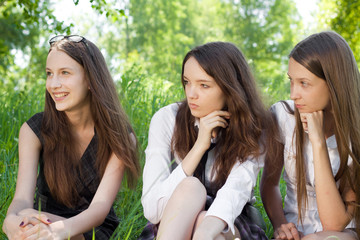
54, 82
294, 92
191, 92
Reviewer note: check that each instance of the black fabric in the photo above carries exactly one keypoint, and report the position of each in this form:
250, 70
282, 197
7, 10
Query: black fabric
87, 183
199, 172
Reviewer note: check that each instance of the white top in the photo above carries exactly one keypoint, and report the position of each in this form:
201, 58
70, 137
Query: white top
160, 178
311, 220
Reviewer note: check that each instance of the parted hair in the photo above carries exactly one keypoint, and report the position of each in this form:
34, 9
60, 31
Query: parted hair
250, 122
328, 56
113, 129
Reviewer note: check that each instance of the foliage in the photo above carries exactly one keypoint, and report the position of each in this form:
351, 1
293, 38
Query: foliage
266, 32
21, 24
343, 17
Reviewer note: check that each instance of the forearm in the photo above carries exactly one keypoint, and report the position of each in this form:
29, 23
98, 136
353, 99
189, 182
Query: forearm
272, 201
192, 159
332, 210
210, 228
81, 223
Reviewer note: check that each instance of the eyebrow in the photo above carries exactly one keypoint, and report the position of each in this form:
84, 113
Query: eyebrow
63, 68
301, 78
197, 80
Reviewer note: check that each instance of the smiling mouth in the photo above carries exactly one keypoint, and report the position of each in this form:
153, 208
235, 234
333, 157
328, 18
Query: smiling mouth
60, 95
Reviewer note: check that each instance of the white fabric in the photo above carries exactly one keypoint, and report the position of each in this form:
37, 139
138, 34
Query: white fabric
160, 179
311, 220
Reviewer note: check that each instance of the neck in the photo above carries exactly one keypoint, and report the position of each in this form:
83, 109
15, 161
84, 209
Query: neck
80, 120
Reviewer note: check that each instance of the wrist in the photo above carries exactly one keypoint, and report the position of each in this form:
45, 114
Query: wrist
200, 146
319, 144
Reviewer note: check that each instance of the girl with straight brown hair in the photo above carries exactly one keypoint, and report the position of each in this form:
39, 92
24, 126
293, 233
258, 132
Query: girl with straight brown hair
319, 144
83, 144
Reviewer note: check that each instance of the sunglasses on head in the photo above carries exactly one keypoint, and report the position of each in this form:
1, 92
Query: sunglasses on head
72, 38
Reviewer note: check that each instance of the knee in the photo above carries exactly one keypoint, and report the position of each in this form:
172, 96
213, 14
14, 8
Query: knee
192, 187
201, 217
312, 236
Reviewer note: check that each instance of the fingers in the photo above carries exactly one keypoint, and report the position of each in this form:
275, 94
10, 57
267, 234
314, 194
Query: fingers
303, 118
287, 231
220, 113
216, 119
35, 219
39, 231
295, 233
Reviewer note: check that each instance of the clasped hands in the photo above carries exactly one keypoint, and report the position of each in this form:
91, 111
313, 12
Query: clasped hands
34, 225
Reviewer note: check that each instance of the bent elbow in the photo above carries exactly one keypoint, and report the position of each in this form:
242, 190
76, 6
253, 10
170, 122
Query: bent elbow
151, 215
335, 227
150, 211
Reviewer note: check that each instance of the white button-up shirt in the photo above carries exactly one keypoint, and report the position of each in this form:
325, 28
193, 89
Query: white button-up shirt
160, 178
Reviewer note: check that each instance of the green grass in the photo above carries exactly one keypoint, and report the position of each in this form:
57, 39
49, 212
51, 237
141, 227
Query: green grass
141, 97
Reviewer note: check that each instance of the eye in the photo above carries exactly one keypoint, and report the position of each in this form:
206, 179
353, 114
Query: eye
48, 74
185, 82
304, 83
65, 72
204, 85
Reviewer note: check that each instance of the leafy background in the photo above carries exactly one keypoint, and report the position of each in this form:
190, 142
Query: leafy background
144, 42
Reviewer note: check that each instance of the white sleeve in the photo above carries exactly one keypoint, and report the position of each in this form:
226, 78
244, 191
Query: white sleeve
236, 192
158, 180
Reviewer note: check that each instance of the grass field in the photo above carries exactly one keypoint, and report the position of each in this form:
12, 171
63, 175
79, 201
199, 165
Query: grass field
141, 97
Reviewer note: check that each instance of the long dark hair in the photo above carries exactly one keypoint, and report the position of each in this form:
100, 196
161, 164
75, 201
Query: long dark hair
112, 127
249, 120
329, 57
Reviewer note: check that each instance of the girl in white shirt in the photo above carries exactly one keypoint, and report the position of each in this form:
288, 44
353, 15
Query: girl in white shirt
319, 144
192, 189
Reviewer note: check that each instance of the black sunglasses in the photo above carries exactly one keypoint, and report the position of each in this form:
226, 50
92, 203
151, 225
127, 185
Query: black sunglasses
72, 38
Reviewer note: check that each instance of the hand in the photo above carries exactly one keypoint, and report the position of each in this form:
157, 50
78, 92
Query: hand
15, 225
287, 231
208, 124
33, 218
39, 231
313, 124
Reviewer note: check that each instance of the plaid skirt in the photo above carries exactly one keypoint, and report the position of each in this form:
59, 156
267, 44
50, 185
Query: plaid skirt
247, 224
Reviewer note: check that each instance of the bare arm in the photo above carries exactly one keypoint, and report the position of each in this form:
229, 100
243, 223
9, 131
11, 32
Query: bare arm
209, 228
333, 213
29, 151
99, 207
271, 196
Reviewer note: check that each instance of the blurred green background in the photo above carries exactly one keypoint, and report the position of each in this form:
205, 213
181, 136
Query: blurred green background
144, 42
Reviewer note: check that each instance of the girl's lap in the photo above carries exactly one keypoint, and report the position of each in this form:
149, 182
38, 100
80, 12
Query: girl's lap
347, 234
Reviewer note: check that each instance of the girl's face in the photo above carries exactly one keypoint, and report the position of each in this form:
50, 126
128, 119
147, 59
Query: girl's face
202, 92
309, 92
66, 82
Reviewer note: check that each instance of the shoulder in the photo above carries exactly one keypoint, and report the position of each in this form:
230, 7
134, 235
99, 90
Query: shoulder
282, 110
284, 117
35, 123
166, 114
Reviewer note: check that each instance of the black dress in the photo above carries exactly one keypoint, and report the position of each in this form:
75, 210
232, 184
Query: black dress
87, 185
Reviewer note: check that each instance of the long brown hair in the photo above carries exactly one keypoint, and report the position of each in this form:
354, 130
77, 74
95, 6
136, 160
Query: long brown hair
244, 136
329, 57
112, 127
